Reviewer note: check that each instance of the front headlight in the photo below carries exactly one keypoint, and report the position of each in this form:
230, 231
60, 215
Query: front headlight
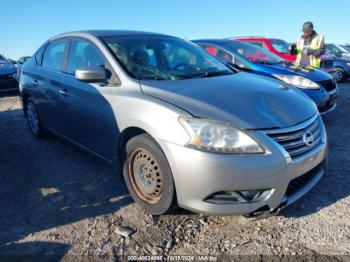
298, 81
348, 64
211, 136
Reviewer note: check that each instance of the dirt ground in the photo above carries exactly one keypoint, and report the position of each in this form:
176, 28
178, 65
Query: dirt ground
57, 200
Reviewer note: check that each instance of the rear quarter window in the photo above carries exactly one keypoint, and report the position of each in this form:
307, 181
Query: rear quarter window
39, 54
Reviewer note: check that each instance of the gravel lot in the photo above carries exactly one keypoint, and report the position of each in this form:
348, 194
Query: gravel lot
58, 200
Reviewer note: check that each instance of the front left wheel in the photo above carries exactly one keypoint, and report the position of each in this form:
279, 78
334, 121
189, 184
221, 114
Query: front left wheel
340, 75
148, 176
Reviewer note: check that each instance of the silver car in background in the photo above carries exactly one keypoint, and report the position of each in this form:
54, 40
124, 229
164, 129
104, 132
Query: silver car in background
184, 129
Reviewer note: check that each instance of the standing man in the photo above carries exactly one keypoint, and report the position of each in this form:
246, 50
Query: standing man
310, 47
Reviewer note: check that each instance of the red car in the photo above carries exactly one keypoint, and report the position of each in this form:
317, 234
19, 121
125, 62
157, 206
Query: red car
281, 48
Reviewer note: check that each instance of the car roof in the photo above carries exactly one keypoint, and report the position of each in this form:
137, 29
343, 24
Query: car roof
250, 37
106, 33
217, 41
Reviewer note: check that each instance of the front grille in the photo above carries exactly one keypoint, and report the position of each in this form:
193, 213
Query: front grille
299, 141
8, 84
297, 183
5, 77
329, 85
327, 63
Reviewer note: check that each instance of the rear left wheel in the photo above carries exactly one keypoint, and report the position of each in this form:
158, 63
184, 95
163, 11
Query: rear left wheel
148, 176
33, 119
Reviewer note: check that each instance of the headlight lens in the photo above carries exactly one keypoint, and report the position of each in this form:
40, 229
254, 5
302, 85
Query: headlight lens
211, 136
348, 64
298, 81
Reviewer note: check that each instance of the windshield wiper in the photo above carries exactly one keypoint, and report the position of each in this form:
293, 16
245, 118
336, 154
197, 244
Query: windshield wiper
210, 74
264, 62
152, 78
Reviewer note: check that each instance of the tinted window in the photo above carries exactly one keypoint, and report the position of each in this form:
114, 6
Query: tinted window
54, 55
257, 44
83, 53
222, 55
253, 53
163, 58
39, 54
281, 46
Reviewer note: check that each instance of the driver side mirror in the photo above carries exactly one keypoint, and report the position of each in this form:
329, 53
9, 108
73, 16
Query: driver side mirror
293, 49
239, 67
91, 74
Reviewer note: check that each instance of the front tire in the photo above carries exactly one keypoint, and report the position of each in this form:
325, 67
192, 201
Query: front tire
33, 119
148, 176
340, 75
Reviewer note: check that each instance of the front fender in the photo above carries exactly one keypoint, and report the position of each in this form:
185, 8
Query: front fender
157, 117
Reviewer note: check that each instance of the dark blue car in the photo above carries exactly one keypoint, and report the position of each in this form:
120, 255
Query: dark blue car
342, 65
318, 85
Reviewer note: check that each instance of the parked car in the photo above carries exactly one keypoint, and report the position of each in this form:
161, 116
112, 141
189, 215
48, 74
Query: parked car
318, 85
347, 47
8, 74
342, 65
337, 50
284, 50
185, 129
23, 59
20, 63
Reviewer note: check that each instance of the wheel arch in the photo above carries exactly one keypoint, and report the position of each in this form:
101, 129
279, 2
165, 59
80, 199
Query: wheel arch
25, 98
127, 134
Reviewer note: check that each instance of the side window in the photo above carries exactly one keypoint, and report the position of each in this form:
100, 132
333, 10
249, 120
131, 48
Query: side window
239, 62
260, 44
54, 55
83, 53
219, 53
39, 55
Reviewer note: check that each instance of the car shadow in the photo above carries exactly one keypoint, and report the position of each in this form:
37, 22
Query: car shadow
333, 186
9, 93
47, 183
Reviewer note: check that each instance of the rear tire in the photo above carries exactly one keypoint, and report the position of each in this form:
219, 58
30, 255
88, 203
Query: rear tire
33, 119
148, 176
340, 75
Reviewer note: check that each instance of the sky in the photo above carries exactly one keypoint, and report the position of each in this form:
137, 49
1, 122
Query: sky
26, 24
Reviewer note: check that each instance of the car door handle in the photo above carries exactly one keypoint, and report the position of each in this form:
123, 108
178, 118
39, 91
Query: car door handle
63, 92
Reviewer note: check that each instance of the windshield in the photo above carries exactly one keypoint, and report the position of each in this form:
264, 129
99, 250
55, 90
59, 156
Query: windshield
254, 53
3, 60
163, 58
347, 48
281, 46
335, 49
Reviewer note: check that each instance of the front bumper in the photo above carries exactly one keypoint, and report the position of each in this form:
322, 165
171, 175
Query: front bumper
7, 83
198, 175
329, 70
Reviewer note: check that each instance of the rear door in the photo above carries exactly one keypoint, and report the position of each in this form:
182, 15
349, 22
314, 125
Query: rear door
87, 116
48, 78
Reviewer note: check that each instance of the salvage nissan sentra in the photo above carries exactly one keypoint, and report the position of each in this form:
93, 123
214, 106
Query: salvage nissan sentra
184, 129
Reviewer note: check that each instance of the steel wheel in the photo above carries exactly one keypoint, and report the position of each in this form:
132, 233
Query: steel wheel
146, 176
339, 75
33, 118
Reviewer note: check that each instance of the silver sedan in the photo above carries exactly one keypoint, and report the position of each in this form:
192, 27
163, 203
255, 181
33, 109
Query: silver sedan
185, 129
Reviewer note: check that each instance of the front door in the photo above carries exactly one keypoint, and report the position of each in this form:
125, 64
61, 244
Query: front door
87, 116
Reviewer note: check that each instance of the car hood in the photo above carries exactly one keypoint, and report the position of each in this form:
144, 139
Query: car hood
6, 68
290, 69
343, 58
243, 100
